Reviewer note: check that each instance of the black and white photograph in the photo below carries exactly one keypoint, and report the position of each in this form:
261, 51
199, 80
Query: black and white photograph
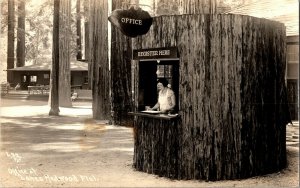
149, 93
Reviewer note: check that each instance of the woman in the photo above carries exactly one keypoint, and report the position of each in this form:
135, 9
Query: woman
166, 97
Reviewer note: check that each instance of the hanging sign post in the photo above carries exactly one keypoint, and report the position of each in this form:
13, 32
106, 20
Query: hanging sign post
131, 22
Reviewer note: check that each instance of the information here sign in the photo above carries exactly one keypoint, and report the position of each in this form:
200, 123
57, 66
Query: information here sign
155, 53
131, 22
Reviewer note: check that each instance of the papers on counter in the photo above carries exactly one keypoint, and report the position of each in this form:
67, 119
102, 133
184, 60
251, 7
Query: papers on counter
152, 111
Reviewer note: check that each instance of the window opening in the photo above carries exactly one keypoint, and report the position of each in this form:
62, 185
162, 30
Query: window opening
149, 73
33, 78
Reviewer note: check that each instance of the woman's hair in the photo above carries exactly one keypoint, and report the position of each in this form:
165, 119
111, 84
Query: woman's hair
163, 81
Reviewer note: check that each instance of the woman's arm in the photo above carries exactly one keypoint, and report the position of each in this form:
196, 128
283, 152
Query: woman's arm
173, 102
155, 107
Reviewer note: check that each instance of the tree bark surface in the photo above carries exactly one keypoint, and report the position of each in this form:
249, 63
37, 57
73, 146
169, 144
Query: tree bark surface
78, 29
121, 95
158, 156
64, 54
21, 34
10, 39
98, 52
54, 76
232, 95
86, 5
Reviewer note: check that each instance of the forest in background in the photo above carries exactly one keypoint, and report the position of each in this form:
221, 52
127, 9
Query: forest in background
38, 27
38, 32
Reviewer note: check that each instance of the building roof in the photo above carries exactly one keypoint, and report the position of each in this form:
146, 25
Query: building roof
45, 65
284, 11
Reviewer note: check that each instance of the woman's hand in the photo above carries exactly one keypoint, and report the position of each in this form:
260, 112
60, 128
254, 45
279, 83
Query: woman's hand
163, 111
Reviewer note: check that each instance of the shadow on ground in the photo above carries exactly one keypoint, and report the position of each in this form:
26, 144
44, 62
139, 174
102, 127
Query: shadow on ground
61, 135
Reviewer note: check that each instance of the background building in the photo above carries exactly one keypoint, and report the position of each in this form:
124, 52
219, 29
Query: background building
39, 74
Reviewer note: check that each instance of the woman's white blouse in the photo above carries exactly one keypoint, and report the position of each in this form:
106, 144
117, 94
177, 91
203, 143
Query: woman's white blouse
164, 100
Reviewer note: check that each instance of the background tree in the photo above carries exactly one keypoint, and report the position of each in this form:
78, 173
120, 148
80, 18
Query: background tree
21, 34
98, 50
86, 41
38, 36
39, 31
10, 38
54, 100
121, 96
64, 54
78, 29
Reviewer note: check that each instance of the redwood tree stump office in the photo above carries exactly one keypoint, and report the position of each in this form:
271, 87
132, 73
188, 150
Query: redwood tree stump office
231, 98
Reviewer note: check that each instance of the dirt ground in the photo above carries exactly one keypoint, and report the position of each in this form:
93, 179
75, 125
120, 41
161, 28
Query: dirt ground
73, 150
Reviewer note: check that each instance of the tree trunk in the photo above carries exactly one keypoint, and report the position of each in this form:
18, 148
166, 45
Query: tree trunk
233, 106
21, 34
98, 47
64, 54
53, 97
10, 39
159, 157
86, 41
121, 50
78, 29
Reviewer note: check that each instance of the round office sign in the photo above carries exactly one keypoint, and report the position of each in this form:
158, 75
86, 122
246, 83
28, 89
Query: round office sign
131, 22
